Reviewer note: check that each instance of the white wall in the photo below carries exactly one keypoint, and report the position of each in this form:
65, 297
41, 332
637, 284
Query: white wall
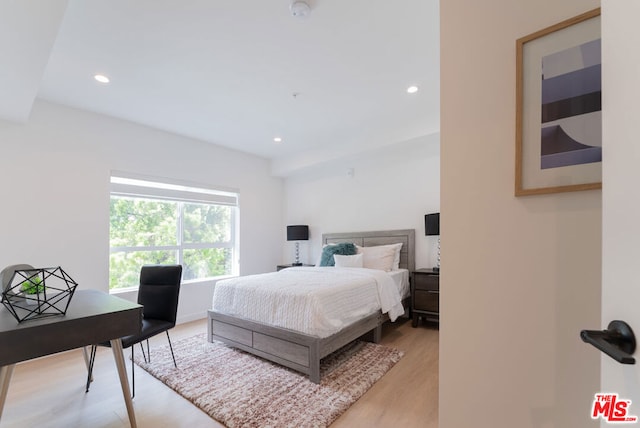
55, 192
392, 188
520, 275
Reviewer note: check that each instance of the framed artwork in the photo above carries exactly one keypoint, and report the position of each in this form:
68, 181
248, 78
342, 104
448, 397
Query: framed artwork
558, 108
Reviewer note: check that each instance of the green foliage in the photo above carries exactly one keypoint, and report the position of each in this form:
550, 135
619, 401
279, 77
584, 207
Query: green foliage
124, 266
206, 263
32, 285
140, 226
206, 223
143, 222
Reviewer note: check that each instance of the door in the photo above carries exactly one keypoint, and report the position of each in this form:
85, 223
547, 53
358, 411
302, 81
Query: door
621, 188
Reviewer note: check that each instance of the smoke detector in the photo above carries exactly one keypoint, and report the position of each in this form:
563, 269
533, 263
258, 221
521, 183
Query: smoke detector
300, 9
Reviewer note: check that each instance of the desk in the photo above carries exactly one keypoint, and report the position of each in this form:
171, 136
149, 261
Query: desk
92, 317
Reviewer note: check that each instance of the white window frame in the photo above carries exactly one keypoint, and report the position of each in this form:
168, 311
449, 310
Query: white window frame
136, 186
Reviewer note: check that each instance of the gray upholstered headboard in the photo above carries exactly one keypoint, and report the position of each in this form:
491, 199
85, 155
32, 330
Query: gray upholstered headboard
382, 237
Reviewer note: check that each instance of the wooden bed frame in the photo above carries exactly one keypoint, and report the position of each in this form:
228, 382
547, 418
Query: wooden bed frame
299, 351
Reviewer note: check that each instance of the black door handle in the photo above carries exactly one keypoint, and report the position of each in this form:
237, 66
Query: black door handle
617, 341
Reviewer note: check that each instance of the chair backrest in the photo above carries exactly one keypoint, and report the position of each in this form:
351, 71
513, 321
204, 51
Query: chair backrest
159, 290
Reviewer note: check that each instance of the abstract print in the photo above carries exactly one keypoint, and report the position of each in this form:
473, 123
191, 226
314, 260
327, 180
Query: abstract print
571, 130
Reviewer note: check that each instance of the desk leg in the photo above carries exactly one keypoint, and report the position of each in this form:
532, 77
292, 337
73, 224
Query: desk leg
5, 378
116, 347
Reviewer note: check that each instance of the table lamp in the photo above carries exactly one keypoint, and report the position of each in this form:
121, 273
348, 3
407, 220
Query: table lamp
297, 233
432, 228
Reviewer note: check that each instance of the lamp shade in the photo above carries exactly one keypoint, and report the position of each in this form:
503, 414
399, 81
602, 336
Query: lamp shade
298, 233
432, 224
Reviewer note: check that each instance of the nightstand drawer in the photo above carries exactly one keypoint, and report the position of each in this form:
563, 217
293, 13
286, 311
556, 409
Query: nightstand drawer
426, 301
427, 282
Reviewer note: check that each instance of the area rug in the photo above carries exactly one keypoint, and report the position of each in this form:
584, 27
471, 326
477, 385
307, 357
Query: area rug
241, 390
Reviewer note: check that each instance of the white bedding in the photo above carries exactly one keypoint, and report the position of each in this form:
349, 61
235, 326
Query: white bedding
317, 301
401, 279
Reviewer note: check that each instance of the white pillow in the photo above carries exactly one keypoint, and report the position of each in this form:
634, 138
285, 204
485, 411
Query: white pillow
382, 257
396, 257
348, 261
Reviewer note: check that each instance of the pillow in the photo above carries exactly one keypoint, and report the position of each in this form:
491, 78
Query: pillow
348, 261
396, 258
319, 258
382, 257
343, 248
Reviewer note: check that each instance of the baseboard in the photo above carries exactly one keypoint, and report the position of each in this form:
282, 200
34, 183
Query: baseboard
191, 317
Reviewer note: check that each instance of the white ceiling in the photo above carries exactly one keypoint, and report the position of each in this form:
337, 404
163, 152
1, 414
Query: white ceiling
226, 71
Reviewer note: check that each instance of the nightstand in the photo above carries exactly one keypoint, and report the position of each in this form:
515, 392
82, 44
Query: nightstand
425, 296
280, 267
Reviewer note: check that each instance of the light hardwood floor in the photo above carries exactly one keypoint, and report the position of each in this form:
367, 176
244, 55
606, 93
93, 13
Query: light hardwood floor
49, 392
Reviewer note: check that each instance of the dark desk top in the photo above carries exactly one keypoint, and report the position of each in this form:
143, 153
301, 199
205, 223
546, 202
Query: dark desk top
92, 317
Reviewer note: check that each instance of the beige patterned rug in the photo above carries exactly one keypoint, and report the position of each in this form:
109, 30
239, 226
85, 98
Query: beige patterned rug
241, 390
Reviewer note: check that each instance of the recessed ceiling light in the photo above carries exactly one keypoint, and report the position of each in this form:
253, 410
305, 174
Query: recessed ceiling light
299, 9
412, 89
101, 78
277, 140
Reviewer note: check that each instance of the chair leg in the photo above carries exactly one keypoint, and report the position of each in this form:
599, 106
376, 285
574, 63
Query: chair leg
86, 357
143, 354
148, 351
92, 360
171, 347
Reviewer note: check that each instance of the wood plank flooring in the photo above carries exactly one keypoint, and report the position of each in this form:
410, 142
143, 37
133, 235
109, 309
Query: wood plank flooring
49, 392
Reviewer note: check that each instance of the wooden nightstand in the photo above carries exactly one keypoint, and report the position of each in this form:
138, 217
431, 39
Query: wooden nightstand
425, 295
280, 267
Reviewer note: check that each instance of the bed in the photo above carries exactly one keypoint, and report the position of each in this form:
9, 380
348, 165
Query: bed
303, 351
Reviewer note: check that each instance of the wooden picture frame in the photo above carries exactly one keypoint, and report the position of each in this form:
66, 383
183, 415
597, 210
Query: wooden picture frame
558, 108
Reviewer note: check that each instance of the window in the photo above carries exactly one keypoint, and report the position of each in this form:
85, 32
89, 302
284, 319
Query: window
167, 223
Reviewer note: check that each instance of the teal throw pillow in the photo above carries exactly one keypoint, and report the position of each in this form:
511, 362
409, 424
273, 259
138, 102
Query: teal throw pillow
343, 248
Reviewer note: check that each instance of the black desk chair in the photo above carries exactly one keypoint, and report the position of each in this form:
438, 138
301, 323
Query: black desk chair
158, 295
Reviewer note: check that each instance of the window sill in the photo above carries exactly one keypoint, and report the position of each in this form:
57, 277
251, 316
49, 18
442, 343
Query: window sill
214, 279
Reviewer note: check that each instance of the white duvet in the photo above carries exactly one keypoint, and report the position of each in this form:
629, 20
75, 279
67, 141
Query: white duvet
318, 301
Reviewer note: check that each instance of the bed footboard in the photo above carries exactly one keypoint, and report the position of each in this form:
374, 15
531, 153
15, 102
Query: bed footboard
289, 348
